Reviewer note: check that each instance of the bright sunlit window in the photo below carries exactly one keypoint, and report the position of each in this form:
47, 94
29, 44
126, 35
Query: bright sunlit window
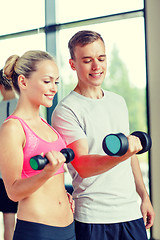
20, 15
74, 10
20, 45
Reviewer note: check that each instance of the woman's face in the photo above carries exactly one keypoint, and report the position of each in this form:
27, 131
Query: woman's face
41, 86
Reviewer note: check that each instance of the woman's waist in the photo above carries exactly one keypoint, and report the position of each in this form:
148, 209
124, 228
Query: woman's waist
53, 210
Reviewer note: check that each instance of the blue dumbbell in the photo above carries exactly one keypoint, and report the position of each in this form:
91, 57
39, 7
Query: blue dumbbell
117, 144
38, 162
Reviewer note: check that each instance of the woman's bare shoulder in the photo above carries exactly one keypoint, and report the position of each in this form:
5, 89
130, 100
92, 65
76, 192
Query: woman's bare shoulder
11, 127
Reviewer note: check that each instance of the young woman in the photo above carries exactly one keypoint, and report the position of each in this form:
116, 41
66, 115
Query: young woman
44, 211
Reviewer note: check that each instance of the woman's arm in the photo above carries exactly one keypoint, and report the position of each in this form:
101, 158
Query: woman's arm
12, 141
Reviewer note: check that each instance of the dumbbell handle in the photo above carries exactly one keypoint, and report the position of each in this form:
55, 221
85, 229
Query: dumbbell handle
38, 162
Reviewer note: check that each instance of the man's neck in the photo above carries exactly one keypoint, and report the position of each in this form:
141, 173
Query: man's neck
94, 93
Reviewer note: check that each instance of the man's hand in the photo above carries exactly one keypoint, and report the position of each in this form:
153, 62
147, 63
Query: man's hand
147, 212
71, 201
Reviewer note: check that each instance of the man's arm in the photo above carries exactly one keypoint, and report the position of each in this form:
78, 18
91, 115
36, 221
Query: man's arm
67, 124
92, 164
146, 206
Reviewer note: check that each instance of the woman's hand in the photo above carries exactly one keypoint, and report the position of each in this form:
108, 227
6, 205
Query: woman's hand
56, 160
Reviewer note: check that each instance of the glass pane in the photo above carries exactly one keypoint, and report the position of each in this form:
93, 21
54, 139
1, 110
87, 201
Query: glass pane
19, 45
125, 47
21, 15
72, 10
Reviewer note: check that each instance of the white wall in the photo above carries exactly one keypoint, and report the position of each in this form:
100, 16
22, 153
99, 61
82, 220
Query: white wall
153, 47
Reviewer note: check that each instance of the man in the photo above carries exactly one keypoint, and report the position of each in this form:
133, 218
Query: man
105, 188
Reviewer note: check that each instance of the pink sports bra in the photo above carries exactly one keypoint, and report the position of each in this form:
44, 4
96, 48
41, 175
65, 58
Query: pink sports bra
35, 146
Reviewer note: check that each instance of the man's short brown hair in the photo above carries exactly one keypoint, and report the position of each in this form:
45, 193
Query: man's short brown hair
81, 39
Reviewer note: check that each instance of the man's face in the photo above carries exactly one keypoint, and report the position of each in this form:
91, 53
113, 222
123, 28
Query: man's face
90, 64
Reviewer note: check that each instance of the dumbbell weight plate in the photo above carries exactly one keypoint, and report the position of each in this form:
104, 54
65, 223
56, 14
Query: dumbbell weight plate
145, 141
68, 153
38, 162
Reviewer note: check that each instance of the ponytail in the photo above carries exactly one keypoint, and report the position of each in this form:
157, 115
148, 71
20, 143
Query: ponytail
24, 65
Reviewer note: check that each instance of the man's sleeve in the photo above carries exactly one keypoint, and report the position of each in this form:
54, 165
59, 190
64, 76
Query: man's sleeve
67, 124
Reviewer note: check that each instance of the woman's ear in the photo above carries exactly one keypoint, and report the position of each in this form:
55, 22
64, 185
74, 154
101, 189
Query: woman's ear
72, 64
22, 81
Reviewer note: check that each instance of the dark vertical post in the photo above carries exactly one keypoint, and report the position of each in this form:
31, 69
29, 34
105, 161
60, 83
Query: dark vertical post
50, 20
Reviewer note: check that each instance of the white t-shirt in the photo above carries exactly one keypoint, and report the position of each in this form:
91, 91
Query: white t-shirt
109, 197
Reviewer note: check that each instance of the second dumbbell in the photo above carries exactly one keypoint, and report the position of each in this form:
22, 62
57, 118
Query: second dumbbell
117, 144
38, 162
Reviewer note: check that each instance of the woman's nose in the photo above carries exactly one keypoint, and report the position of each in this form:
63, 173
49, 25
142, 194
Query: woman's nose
54, 87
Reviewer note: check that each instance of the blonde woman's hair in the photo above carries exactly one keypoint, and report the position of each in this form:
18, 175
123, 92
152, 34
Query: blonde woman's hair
25, 65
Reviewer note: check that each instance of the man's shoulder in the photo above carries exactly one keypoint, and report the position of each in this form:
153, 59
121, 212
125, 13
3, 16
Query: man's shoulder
68, 98
113, 95
66, 105
69, 101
